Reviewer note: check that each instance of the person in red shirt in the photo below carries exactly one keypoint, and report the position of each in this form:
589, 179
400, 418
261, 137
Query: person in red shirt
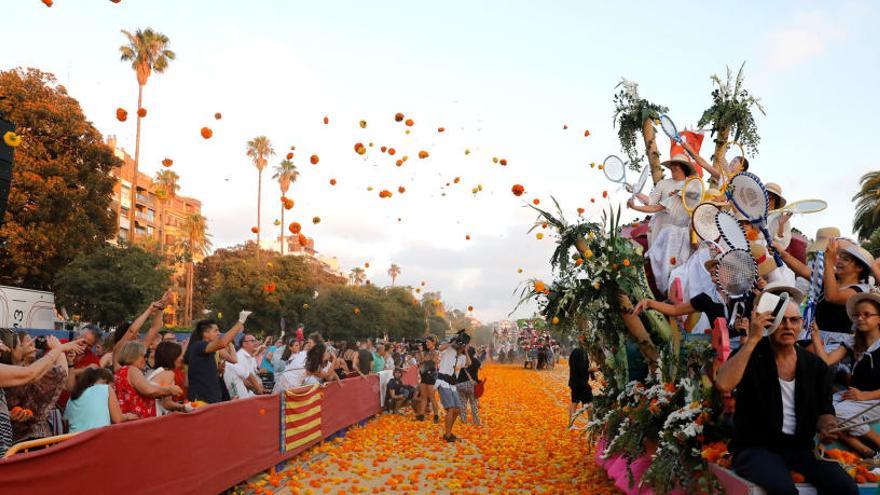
91, 335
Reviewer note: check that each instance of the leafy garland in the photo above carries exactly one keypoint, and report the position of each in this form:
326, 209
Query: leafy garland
630, 113
732, 110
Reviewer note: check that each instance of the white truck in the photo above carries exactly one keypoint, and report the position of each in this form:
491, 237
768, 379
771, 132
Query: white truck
25, 308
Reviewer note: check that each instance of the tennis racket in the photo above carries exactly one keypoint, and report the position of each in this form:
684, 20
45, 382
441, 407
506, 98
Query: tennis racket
640, 182
736, 274
614, 169
703, 222
733, 155
669, 128
804, 207
750, 198
731, 231
692, 194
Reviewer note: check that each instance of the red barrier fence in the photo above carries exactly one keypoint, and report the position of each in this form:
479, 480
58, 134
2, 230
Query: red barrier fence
203, 452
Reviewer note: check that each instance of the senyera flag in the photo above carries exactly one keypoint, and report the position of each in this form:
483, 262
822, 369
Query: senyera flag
301, 417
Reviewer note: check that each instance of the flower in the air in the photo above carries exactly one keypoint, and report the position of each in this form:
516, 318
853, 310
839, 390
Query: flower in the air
625, 262
287, 203
401, 189
555, 320
672, 260
536, 201
167, 162
423, 154
470, 308
48, 3
289, 155
399, 163
142, 112
398, 117
295, 228
121, 114
580, 211
586, 133
409, 122
255, 230
359, 148
456, 180
604, 194
503, 161
270, 287
363, 124
539, 286
218, 116
316, 220
207, 133
441, 129
332, 182
11, 139
303, 240
467, 237
391, 151
539, 235
384, 193
314, 159
518, 190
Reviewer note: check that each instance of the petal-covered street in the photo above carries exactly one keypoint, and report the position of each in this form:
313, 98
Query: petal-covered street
522, 447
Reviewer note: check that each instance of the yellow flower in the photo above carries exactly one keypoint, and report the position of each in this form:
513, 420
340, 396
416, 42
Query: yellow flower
555, 320
539, 235
588, 254
11, 139
596, 285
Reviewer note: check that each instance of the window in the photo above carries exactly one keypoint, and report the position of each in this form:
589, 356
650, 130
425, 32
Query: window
123, 233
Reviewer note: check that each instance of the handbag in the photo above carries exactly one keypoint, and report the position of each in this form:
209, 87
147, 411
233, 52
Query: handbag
479, 386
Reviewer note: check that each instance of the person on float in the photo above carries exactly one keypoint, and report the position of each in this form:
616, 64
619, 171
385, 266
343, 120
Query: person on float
777, 419
862, 397
669, 239
737, 165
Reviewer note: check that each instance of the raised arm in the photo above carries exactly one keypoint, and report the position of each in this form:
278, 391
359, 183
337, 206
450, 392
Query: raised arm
833, 292
135, 327
13, 376
682, 309
819, 348
645, 208
229, 336
731, 372
800, 269
708, 167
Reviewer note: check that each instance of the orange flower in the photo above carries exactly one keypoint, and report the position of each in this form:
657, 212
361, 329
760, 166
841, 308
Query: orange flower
504, 162
586, 133
423, 154
332, 182
604, 194
269, 288
564, 127
456, 180
625, 262
470, 308
580, 211
441, 129
11, 139
518, 190
121, 114
207, 133
401, 189
536, 201
539, 286
218, 116
366, 264
798, 477
555, 320
167, 162
326, 120
303, 240
398, 117
314, 159
287, 202
295, 228
357, 311
316, 220
289, 155
384, 193
142, 112
578, 262
47, 3
467, 237
359, 148
399, 163
363, 124
672, 260
255, 230
391, 151
409, 122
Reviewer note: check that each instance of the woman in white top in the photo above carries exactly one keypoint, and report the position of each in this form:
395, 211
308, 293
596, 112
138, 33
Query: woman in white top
669, 240
295, 370
169, 355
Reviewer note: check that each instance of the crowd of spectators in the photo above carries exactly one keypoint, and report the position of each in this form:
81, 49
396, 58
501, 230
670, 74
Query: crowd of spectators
48, 388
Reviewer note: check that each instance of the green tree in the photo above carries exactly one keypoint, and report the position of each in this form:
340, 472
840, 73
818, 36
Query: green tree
148, 52
196, 242
350, 312
357, 276
166, 186
731, 112
259, 149
867, 218
286, 173
111, 283
59, 204
634, 114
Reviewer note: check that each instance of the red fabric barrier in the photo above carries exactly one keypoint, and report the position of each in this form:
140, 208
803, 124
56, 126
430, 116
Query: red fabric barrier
203, 452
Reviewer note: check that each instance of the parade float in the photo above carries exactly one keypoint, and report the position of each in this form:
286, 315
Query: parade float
657, 423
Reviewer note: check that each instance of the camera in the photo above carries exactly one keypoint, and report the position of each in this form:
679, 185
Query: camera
460, 340
40, 343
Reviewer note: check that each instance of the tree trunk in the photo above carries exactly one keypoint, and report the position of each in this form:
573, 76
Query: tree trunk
637, 330
259, 199
187, 301
720, 142
649, 135
137, 155
162, 229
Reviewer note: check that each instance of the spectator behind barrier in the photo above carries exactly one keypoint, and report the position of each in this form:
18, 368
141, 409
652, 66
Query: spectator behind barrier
93, 402
134, 391
169, 358
204, 381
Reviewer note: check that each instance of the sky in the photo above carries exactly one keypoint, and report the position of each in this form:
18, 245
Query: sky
502, 78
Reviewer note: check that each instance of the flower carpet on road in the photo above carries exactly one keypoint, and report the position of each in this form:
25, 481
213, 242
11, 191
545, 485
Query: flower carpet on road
522, 447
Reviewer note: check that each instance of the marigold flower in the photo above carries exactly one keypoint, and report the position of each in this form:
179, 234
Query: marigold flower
121, 114
207, 133
11, 139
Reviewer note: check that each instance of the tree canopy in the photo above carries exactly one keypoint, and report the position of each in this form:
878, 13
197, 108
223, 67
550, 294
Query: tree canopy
61, 185
111, 283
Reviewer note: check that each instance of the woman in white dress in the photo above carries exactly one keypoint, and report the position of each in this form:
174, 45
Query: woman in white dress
295, 368
669, 240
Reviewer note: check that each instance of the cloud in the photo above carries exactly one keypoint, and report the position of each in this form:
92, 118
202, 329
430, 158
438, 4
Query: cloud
811, 34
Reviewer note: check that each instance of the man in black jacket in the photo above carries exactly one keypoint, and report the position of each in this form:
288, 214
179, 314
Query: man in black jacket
783, 399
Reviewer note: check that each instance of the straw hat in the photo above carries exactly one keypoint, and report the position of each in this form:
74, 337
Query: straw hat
777, 288
774, 189
683, 160
766, 263
855, 299
823, 235
858, 252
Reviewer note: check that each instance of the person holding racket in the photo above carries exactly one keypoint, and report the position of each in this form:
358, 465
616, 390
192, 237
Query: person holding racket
737, 164
669, 240
783, 400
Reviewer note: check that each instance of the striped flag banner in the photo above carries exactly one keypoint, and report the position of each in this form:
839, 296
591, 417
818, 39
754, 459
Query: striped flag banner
301, 417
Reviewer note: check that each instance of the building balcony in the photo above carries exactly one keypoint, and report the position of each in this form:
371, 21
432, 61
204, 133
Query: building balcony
144, 200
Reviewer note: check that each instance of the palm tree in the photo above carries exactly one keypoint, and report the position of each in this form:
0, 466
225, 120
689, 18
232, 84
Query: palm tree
195, 242
147, 52
166, 188
286, 173
393, 272
867, 217
259, 148
357, 275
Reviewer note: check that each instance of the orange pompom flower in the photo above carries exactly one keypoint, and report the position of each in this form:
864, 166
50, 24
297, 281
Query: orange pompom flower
398, 117
332, 182
121, 114
314, 159
326, 119
218, 116
401, 189
441, 129
207, 133
586, 133
255, 230
302, 239
142, 112
167, 162
295, 228
409, 122
518, 190
536, 201
503, 162
580, 211
316, 220
289, 155
423, 154
391, 151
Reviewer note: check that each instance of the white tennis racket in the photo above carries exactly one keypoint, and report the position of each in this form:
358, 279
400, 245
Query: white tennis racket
669, 128
614, 169
731, 231
750, 198
703, 222
803, 207
641, 181
735, 275
692, 194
